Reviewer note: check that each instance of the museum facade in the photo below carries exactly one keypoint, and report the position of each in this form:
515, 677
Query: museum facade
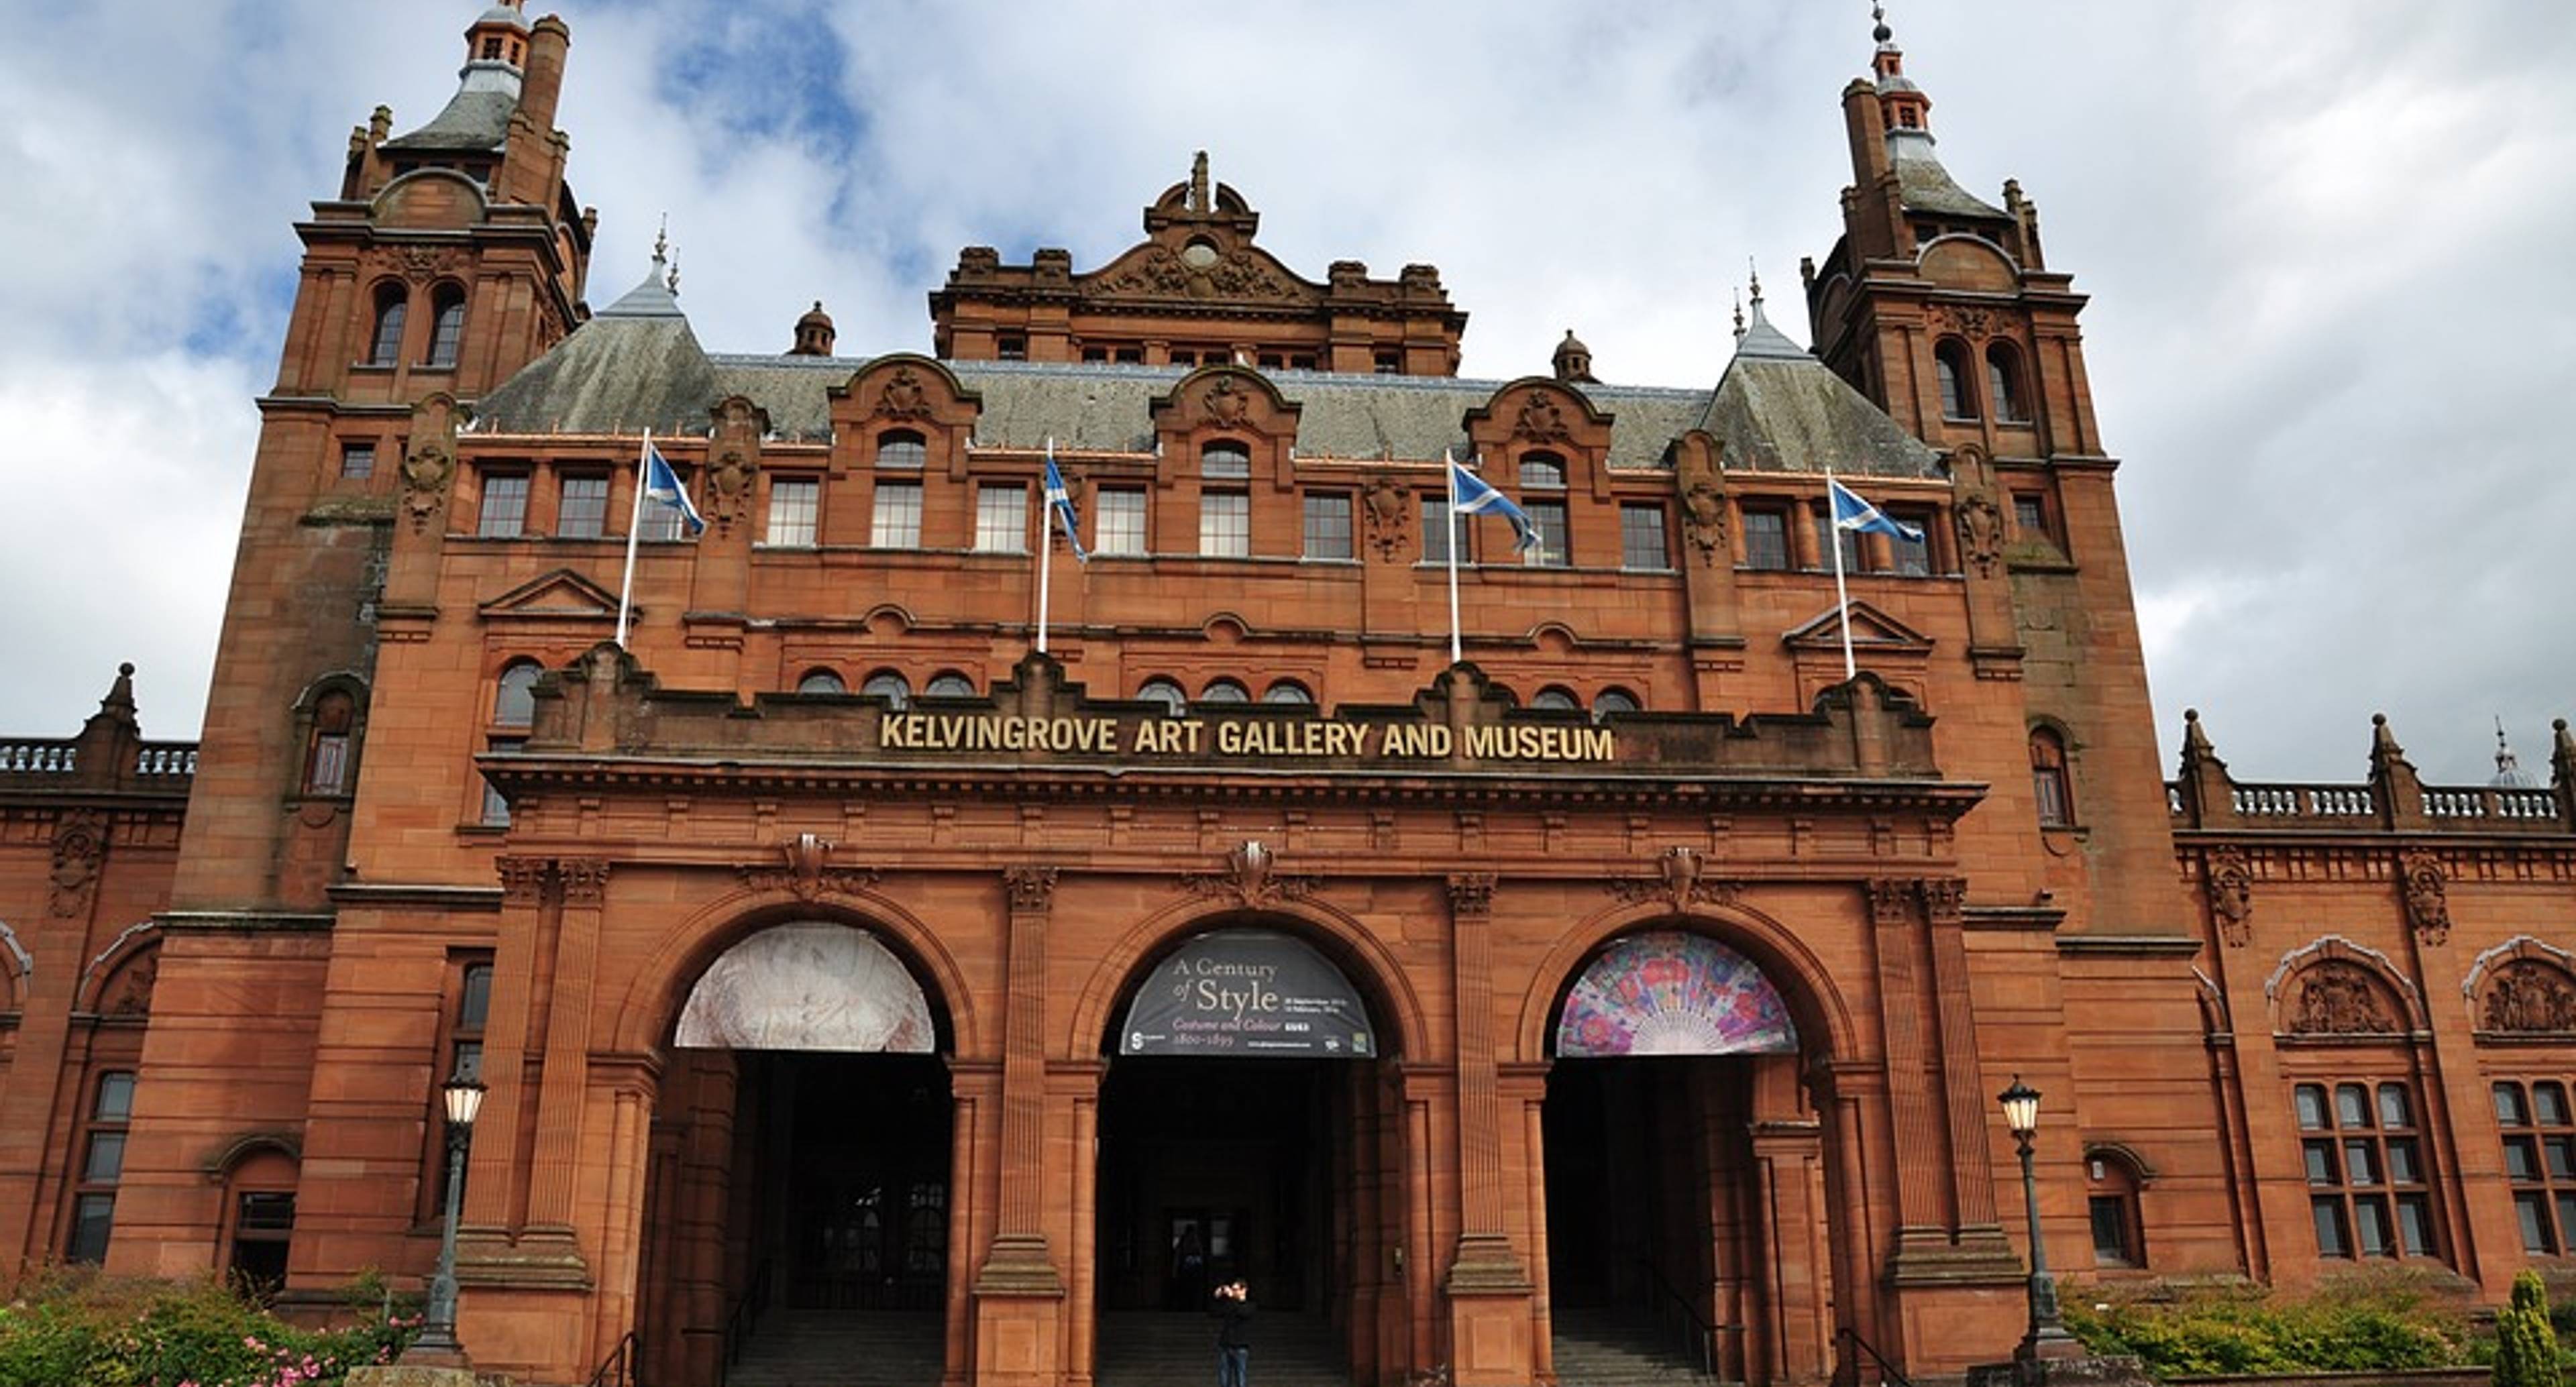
847, 949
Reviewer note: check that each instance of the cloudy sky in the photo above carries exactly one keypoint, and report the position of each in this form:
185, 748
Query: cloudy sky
2332, 338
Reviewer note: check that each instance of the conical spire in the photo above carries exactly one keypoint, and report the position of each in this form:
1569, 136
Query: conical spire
659, 295
2509, 774
1757, 337
1907, 113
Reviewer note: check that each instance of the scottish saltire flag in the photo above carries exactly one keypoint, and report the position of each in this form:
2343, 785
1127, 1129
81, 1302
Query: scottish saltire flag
1469, 495
1853, 513
663, 485
1059, 502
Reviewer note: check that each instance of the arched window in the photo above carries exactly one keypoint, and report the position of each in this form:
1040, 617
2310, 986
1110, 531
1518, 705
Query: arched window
2119, 1235
2048, 780
1950, 364
888, 685
948, 683
821, 681
1615, 700
902, 449
1542, 477
2003, 383
1174, 699
1225, 460
1287, 691
1225, 691
1542, 472
1555, 696
326, 757
393, 310
102, 1164
514, 700
446, 325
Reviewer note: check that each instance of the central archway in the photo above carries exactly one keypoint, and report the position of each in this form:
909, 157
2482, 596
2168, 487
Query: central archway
1247, 1130
802, 1154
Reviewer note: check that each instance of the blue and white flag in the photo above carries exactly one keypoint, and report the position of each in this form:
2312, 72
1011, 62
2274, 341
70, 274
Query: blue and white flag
1059, 502
1855, 514
663, 484
1469, 495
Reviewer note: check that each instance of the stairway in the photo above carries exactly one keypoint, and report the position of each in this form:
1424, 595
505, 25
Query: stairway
1618, 1348
1152, 1349
843, 1348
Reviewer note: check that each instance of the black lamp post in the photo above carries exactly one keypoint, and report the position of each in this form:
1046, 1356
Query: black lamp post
2047, 1338
463, 1099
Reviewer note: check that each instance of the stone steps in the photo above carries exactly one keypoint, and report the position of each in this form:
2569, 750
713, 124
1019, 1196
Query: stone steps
1179, 1350
1613, 1348
843, 1348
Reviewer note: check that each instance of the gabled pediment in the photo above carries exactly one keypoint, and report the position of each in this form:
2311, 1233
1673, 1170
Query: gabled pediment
1870, 627
1243, 274
557, 596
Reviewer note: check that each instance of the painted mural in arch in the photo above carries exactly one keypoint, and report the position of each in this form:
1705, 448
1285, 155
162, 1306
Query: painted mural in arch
1672, 993
810, 985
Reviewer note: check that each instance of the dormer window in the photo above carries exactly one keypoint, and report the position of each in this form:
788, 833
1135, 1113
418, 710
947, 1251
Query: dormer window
902, 449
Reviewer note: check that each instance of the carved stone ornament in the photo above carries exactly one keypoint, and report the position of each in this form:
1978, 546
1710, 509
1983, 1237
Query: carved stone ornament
80, 844
903, 396
2339, 997
1981, 533
1704, 520
1252, 877
523, 879
1389, 508
805, 870
426, 470
728, 488
585, 880
1945, 900
1159, 272
2530, 997
1226, 402
1680, 882
1032, 888
1541, 420
2228, 877
129, 993
1471, 894
1972, 323
1891, 900
2428, 906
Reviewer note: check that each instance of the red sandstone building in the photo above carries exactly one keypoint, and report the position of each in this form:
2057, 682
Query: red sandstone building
838, 965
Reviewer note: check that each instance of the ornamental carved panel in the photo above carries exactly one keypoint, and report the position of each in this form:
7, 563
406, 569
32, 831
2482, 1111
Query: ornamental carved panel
1704, 521
1680, 882
2228, 877
2529, 997
904, 396
1975, 324
728, 488
1389, 509
1541, 419
2339, 997
428, 467
1981, 534
80, 846
806, 870
1226, 403
129, 993
1032, 888
2428, 907
1252, 877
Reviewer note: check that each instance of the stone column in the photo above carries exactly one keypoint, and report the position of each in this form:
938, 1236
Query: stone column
492, 1185
1082, 1307
1488, 1288
1524, 1090
1019, 1291
1921, 1218
1962, 1080
563, 1088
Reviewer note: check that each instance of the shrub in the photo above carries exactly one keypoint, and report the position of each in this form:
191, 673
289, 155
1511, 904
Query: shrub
2353, 1328
89, 1331
2526, 1351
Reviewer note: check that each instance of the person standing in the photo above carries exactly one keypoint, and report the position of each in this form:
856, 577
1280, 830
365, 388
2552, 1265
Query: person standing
1233, 1310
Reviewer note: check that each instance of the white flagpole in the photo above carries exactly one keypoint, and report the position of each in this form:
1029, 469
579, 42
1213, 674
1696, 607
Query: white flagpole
1046, 548
1842, 598
1449, 523
634, 532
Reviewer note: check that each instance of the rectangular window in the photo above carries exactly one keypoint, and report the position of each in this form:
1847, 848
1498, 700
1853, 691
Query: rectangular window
1641, 538
1438, 537
504, 514
2540, 1160
2030, 515
793, 509
897, 521
1387, 364
2111, 1230
263, 1224
357, 461
1328, 525
1828, 534
1012, 347
582, 511
496, 806
2366, 1171
115, 1098
1225, 524
92, 1216
1548, 518
1766, 539
1912, 557
106, 1158
1118, 521
1002, 519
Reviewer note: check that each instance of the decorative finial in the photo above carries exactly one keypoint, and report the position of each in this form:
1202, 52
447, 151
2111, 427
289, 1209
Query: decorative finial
1199, 200
672, 280
2504, 753
1739, 315
662, 241
1753, 276
1878, 24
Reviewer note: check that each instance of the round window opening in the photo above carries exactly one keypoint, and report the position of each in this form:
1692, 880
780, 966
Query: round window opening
1198, 255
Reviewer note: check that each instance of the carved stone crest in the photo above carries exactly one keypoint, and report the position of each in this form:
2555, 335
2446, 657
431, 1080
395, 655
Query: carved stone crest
2228, 877
418, 264
1541, 419
2428, 906
1226, 402
1704, 520
1680, 881
1389, 508
80, 844
2340, 997
2530, 997
1981, 533
728, 485
1252, 877
806, 870
1973, 323
903, 396
426, 470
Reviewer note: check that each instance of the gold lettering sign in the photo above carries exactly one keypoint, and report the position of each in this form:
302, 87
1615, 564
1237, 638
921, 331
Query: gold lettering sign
1246, 740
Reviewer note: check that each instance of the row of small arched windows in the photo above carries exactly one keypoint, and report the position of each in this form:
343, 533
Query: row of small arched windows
393, 319
1955, 366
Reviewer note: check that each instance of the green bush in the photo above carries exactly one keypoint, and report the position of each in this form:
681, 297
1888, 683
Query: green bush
2361, 1328
88, 1331
2526, 1348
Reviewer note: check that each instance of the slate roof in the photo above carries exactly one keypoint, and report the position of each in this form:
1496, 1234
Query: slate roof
474, 119
1925, 185
637, 365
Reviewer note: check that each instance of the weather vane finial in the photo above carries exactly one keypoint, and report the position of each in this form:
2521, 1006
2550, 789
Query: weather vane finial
662, 239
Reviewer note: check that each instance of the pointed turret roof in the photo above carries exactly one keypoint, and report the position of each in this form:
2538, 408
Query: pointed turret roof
477, 118
1779, 409
1925, 185
635, 365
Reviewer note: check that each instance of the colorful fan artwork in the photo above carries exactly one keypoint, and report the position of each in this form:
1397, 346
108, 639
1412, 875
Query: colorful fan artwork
1670, 993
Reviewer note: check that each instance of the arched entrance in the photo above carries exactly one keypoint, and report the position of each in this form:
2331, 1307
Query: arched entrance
798, 1200
1248, 1128
1684, 1170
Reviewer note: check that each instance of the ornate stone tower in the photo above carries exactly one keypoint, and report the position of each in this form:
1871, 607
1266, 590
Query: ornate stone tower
1941, 307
